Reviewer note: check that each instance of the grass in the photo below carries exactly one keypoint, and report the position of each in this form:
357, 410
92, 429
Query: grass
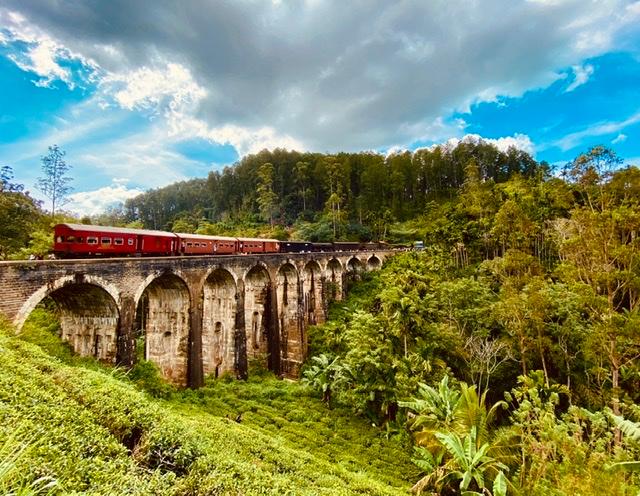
73, 426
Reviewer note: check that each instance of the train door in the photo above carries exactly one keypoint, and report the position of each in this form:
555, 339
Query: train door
140, 244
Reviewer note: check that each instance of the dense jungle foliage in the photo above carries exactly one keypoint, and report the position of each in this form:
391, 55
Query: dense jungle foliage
510, 346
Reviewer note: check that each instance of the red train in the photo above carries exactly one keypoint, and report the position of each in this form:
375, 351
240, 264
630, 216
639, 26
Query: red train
80, 240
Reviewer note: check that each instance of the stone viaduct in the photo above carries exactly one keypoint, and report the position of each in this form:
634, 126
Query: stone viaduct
192, 316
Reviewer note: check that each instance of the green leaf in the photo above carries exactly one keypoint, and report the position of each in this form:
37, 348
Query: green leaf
628, 428
632, 466
466, 480
500, 485
453, 445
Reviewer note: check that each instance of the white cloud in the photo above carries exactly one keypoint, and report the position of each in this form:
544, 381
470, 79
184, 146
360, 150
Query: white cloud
582, 73
42, 55
148, 87
95, 202
600, 129
328, 81
244, 139
621, 138
41, 60
141, 158
519, 141
632, 12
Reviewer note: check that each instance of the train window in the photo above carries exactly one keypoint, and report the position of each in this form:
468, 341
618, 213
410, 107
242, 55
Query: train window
189, 244
70, 239
118, 241
130, 241
92, 241
105, 241
59, 239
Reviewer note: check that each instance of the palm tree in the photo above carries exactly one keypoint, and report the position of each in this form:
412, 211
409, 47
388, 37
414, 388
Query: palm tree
323, 375
454, 438
470, 463
472, 412
434, 410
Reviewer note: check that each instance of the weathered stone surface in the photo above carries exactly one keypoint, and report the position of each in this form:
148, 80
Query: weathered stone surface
195, 315
219, 323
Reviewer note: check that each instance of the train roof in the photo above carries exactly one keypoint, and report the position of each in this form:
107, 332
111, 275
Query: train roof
206, 236
260, 239
115, 230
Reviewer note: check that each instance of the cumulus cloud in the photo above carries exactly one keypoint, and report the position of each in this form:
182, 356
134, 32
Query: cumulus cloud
97, 201
148, 87
518, 141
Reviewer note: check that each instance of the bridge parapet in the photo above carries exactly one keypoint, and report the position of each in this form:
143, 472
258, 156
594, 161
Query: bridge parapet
193, 315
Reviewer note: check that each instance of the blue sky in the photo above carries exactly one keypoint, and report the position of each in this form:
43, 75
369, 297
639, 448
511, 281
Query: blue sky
143, 94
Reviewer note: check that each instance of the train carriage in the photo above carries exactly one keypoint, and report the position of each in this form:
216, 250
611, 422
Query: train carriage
296, 246
347, 246
80, 240
322, 247
258, 245
199, 244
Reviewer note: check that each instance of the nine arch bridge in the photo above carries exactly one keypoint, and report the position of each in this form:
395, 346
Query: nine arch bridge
193, 316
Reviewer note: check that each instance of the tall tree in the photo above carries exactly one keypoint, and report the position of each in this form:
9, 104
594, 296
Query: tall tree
599, 247
55, 183
267, 198
302, 179
18, 214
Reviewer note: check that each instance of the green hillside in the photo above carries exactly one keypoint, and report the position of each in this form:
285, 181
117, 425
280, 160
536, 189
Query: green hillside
70, 426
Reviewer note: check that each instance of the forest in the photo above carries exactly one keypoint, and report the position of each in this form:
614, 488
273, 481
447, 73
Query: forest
319, 197
503, 356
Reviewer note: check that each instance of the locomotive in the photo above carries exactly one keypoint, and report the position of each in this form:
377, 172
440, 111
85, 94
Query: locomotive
84, 241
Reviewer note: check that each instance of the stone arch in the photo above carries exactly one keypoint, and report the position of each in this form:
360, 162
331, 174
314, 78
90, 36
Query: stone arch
88, 312
333, 278
373, 263
312, 284
44, 291
289, 319
354, 272
219, 306
163, 320
354, 265
258, 315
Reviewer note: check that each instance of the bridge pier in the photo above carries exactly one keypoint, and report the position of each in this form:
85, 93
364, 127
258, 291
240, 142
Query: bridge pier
240, 335
126, 340
200, 315
195, 372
